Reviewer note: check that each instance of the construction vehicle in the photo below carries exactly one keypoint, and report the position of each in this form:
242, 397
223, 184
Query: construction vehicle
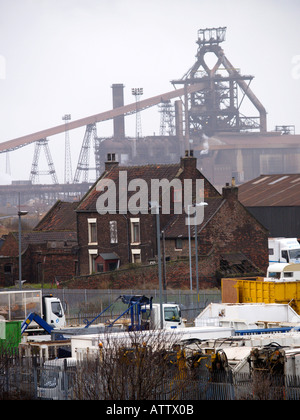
275, 359
27, 306
284, 250
144, 314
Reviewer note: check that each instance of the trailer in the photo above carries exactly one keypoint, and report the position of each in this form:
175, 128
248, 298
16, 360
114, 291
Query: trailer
25, 305
248, 315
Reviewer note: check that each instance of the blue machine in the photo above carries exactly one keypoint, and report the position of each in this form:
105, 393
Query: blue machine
35, 317
136, 306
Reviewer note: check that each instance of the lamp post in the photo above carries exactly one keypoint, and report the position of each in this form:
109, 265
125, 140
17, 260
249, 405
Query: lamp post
155, 206
201, 204
20, 214
137, 93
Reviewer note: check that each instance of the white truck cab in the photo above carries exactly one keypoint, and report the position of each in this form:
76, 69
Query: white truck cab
171, 316
284, 250
53, 312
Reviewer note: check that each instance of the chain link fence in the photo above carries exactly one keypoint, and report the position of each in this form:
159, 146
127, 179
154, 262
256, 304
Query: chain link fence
82, 304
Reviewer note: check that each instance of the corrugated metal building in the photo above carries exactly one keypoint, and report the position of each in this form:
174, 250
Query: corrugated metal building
275, 201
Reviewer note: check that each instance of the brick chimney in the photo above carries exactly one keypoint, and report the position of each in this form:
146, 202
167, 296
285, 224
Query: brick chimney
111, 161
230, 191
189, 163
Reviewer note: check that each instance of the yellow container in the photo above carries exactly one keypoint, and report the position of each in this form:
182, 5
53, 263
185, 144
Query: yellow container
259, 291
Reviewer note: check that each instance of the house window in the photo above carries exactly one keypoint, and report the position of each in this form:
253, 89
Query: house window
135, 231
92, 231
136, 256
93, 253
8, 269
113, 232
100, 268
178, 244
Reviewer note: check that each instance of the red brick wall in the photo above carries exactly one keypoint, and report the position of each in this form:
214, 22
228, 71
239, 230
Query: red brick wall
58, 263
123, 247
231, 230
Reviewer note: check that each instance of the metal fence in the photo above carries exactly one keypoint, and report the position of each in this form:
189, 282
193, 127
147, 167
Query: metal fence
25, 379
84, 304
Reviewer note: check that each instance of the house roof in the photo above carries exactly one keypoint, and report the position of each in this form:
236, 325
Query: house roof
177, 227
34, 238
37, 238
145, 172
271, 190
61, 217
109, 256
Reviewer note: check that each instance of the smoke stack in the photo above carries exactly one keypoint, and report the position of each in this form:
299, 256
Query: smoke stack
118, 101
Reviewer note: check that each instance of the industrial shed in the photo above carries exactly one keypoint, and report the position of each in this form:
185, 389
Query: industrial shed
275, 201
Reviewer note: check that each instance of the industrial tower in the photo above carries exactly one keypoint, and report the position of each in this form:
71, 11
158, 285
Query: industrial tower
83, 166
35, 172
167, 119
217, 107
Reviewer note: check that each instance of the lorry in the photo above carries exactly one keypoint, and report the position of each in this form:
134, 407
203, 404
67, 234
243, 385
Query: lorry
28, 305
284, 250
145, 315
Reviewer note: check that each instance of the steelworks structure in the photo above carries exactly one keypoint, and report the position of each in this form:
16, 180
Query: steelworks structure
208, 118
217, 107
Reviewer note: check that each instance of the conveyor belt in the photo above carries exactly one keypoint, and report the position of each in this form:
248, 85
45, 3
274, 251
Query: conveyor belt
104, 116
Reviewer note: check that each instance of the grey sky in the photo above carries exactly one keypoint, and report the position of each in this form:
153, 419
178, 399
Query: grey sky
62, 56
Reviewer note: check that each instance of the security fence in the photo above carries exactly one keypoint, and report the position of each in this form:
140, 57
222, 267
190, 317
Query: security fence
84, 304
24, 379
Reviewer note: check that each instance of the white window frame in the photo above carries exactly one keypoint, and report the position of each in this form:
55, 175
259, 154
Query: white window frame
113, 231
178, 249
133, 221
90, 223
92, 254
136, 252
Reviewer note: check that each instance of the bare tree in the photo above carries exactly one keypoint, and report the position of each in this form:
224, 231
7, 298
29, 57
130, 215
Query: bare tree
143, 366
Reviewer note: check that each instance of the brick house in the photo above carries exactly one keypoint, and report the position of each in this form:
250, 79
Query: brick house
230, 241
230, 238
49, 252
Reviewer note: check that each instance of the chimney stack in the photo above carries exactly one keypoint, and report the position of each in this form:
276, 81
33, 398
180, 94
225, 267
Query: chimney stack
230, 191
111, 161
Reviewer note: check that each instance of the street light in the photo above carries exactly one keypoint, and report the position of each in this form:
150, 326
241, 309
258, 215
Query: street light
201, 204
154, 205
137, 93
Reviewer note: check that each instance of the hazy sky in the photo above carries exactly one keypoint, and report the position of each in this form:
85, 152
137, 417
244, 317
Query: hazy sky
62, 56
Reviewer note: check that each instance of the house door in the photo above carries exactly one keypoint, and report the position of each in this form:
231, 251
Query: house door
8, 275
